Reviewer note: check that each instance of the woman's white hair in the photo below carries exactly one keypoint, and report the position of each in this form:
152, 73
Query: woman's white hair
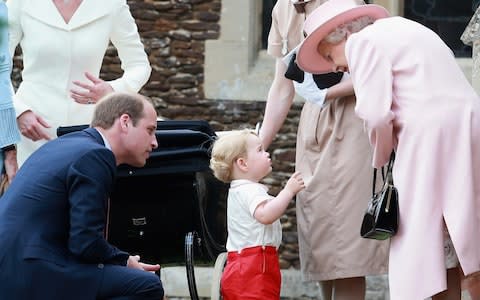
355, 25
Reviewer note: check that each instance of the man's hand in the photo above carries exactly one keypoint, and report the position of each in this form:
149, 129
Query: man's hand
33, 126
10, 164
134, 262
92, 92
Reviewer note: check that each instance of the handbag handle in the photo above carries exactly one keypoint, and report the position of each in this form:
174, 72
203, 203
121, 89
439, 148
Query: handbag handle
389, 176
390, 167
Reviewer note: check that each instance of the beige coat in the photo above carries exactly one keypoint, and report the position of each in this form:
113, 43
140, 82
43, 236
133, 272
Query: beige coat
334, 157
56, 53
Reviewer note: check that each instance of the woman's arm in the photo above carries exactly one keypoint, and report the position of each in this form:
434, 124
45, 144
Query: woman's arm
279, 100
134, 60
15, 35
9, 134
342, 89
271, 210
374, 91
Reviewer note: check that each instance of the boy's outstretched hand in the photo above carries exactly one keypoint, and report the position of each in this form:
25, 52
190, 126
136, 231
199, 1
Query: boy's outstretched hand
295, 184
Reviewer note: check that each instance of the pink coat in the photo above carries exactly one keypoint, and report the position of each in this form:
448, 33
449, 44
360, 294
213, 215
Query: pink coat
413, 97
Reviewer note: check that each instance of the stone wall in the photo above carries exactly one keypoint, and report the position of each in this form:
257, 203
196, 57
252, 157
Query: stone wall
174, 34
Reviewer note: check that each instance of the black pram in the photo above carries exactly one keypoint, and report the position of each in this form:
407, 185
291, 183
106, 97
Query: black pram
173, 207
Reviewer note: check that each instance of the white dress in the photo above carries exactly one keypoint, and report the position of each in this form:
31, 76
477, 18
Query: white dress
56, 53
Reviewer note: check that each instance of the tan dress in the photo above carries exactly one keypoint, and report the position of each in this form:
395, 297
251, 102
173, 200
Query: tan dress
334, 154
334, 157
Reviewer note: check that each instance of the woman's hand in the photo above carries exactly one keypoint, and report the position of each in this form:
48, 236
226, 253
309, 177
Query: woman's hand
33, 126
92, 92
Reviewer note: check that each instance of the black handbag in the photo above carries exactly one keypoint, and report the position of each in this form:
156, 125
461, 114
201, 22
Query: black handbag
380, 221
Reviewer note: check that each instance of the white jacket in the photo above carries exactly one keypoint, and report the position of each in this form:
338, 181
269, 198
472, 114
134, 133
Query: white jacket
56, 53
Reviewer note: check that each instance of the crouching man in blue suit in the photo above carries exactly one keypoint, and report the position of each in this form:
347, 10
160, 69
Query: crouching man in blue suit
53, 216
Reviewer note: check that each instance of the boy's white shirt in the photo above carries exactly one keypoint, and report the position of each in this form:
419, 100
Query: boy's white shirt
244, 230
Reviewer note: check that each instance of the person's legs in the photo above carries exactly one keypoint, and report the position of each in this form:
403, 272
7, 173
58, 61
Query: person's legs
454, 278
453, 291
326, 289
474, 291
471, 283
121, 283
349, 288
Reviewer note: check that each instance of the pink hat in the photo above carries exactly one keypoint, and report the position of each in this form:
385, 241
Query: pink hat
323, 20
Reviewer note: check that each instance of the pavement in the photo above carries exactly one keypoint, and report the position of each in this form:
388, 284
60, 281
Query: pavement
175, 283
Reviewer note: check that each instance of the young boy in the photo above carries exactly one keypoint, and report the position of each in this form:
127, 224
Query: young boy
254, 229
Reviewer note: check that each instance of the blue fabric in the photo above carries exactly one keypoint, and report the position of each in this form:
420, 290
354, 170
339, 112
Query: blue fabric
8, 124
52, 222
9, 133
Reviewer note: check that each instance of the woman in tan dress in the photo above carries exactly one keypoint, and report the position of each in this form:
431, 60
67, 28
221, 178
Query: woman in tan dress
333, 155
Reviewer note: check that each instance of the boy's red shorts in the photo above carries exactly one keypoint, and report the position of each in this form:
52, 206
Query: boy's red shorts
254, 273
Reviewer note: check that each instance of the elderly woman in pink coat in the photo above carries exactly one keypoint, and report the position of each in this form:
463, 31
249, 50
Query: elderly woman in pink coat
414, 99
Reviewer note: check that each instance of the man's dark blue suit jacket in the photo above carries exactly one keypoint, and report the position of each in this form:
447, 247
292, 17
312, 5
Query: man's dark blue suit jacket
54, 214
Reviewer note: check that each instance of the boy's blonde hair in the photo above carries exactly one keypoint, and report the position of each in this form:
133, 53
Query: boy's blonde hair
226, 149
